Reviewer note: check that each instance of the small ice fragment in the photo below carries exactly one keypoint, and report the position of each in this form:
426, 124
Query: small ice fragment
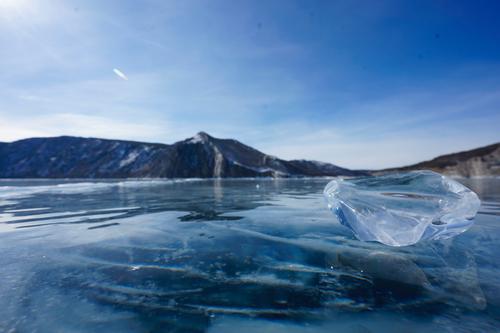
257, 186
120, 74
402, 209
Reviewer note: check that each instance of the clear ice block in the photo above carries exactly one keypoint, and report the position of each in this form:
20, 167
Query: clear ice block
404, 208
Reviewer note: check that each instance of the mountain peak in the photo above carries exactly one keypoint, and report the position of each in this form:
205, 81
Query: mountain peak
202, 134
200, 137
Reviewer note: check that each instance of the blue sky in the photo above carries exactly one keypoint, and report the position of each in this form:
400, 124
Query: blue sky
362, 84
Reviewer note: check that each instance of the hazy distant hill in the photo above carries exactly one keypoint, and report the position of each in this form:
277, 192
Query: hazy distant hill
484, 161
199, 156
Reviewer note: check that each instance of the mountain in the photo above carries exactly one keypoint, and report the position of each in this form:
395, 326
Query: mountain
200, 156
484, 161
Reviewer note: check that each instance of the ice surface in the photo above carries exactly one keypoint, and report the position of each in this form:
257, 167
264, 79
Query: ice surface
402, 209
209, 255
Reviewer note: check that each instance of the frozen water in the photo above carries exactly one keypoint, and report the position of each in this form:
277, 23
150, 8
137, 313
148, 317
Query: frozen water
221, 255
402, 209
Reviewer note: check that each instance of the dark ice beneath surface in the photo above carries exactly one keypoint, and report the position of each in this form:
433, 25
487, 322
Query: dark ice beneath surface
221, 255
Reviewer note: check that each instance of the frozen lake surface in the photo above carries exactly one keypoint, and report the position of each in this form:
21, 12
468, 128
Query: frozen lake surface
230, 255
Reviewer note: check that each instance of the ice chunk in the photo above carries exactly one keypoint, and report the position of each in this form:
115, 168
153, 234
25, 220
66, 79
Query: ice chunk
402, 209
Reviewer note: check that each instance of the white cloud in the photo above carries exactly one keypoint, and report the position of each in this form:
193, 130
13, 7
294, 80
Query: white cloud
401, 130
13, 128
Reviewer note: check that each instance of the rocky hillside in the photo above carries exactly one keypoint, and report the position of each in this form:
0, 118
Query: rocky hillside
199, 156
484, 161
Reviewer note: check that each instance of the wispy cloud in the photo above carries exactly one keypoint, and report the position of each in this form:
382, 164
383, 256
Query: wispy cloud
403, 129
81, 125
